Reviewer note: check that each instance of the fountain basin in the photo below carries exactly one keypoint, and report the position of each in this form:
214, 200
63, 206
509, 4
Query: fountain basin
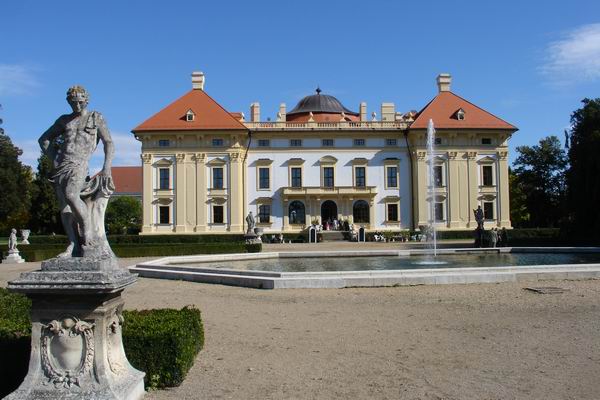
383, 267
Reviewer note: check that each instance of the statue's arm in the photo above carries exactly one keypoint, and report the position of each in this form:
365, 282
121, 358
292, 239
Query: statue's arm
52, 133
109, 146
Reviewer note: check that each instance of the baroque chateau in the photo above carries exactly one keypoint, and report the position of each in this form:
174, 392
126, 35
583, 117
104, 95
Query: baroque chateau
204, 168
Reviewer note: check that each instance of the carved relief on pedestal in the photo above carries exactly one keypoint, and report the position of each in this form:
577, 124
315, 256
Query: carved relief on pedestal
67, 350
116, 360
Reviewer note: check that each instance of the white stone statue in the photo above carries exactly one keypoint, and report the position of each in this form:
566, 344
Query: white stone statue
12, 242
251, 224
70, 143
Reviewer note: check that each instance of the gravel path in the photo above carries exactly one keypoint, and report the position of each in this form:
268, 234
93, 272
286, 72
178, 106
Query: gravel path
486, 341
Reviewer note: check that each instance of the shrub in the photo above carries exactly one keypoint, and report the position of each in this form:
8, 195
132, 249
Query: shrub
144, 239
41, 252
163, 343
15, 339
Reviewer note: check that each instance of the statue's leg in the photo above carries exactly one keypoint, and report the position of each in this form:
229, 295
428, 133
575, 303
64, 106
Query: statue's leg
79, 210
67, 221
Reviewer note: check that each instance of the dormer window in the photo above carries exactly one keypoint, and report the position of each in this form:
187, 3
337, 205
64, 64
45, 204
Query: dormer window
460, 114
190, 116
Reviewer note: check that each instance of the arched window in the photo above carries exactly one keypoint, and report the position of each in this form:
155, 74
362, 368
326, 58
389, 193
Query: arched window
360, 212
296, 212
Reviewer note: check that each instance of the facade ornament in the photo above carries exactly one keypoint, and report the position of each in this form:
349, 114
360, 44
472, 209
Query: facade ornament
471, 155
374, 116
452, 155
421, 155
146, 158
74, 354
235, 157
199, 157
180, 157
311, 117
503, 155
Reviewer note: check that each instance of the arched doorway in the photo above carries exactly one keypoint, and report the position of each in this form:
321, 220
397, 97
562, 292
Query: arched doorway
328, 211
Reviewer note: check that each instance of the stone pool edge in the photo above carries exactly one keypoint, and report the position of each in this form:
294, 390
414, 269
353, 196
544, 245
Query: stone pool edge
174, 268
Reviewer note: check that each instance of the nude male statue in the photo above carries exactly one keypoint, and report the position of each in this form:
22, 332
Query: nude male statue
69, 143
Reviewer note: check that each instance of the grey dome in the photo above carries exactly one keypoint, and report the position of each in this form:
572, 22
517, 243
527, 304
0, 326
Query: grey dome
320, 103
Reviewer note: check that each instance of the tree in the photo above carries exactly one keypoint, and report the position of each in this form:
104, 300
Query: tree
15, 183
540, 175
519, 214
583, 176
45, 213
123, 215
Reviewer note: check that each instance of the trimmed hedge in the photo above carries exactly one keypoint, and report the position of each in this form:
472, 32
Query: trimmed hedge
174, 336
163, 343
145, 239
45, 251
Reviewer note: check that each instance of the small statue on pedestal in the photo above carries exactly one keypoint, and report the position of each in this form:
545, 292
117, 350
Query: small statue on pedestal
13, 256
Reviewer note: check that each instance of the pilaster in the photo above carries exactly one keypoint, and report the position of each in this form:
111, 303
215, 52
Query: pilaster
236, 206
201, 191
503, 213
454, 188
147, 193
473, 186
180, 193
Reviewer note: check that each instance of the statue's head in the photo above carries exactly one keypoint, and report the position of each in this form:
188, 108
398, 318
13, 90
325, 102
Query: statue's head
14, 231
78, 98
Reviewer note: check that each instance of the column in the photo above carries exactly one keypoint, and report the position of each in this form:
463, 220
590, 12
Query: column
503, 212
454, 189
180, 193
286, 217
473, 186
201, 190
147, 198
236, 193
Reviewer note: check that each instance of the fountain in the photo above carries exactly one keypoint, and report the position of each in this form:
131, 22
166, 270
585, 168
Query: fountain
430, 156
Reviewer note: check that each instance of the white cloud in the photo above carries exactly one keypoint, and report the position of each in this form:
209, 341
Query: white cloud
16, 79
575, 57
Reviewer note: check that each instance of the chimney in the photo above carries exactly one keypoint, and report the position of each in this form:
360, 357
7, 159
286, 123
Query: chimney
363, 111
388, 112
443, 82
198, 80
281, 115
255, 112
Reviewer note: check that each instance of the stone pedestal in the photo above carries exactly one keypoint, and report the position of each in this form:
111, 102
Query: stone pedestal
13, 257
76, 343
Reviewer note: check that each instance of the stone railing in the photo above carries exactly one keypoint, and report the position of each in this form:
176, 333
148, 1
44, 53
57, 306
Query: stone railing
336, 190
359, 125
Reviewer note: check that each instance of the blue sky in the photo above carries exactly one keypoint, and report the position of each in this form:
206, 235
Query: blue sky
530, 63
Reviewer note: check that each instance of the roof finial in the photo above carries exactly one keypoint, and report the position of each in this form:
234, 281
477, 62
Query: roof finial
318, 90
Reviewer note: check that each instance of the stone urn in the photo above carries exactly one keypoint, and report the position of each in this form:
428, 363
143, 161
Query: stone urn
25, 236
259, 232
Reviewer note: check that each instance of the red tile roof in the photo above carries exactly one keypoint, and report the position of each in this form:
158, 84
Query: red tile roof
442, 110
128, 180
208, 115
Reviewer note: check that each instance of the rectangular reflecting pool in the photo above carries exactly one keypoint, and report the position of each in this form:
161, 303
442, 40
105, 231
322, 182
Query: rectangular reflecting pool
413, 262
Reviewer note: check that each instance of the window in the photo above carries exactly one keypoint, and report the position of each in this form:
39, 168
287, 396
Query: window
486, 141
360, 177
328, 177
488, 210
296, 174
438, 176
296, 212
438, 211
392, 177
164, 143
391, 142
460, 114
164, 179
360, 212
487, 175
437, 140
190, 116
217, 142
218, 215
392, 212
263, 178
296, 143
359, 142
217, 178
264, 214
264, 143
327, 142
164, 214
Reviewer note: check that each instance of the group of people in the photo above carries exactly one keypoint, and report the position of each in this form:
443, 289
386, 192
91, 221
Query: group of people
498, 238
335, 225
